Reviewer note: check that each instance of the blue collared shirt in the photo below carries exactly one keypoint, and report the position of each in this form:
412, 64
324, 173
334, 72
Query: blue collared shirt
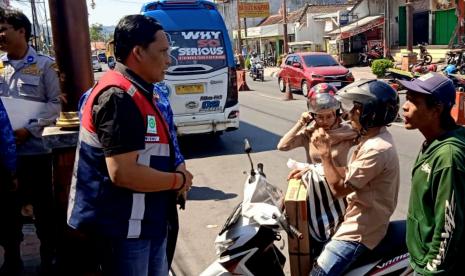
7, 141
163, 104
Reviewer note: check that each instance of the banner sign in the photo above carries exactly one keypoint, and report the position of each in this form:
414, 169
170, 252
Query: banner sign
254, 8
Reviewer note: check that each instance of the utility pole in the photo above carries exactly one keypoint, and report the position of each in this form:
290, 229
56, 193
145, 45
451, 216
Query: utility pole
286, 47
35, 25
245, 33
387, 28
47, 41
409, 11
239, 46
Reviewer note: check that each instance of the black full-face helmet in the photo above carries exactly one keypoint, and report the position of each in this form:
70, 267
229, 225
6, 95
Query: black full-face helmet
378, 100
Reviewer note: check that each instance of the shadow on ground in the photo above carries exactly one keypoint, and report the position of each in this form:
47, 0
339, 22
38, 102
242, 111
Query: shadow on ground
198, 146
207, 193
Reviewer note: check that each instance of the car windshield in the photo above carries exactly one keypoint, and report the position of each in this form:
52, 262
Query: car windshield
197, 47
319, 60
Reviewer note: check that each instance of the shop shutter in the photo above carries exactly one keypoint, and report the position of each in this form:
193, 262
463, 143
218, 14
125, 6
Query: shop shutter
402, 26
444, 25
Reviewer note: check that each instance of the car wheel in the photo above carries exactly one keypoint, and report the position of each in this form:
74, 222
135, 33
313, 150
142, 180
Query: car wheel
305, 88
282, 85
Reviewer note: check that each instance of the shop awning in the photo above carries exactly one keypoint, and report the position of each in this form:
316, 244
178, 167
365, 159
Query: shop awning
358, 27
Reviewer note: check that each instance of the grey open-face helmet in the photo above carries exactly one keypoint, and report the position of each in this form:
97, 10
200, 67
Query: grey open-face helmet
379, 102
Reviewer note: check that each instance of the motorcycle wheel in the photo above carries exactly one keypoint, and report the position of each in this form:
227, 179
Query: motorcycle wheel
262, 78
305, 88
427, 59
282, 85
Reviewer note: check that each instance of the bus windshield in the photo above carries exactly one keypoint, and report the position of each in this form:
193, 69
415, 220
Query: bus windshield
204, 49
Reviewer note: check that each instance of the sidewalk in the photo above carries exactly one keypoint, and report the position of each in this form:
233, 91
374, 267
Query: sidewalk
358, 72
29, 251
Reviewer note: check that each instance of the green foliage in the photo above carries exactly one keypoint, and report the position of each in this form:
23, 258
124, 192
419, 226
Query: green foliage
380, 66
96, 32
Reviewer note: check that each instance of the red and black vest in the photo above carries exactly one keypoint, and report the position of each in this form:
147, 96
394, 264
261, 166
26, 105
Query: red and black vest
95, 203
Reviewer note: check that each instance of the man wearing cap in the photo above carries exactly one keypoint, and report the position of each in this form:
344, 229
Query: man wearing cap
435, 218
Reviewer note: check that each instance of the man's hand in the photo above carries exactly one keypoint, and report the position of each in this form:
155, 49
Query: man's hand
188, 175
21, 135
297, 173
320, 139
305, 118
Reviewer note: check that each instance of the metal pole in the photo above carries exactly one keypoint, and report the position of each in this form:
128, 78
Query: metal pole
286, 47
409, 11
245, 33
239, 46
48, 29
386, 31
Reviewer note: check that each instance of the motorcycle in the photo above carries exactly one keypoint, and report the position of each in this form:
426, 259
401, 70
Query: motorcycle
257, 71
425, 57
270, 61
451, 72
245, 244
376, 52
422, 68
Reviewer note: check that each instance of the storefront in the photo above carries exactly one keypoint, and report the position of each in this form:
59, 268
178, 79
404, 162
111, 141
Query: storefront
433, 24
357, 37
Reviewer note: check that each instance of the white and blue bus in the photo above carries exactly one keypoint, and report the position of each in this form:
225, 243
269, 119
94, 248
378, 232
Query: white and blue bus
202, 74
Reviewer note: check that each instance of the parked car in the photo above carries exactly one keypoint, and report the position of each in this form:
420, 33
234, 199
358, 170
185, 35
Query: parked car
96, 64
102, 57
303, 70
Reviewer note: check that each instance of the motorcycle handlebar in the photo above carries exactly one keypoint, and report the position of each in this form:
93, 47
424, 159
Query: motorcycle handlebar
295, 232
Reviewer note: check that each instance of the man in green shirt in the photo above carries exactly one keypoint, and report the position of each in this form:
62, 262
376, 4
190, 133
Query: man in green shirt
435, 220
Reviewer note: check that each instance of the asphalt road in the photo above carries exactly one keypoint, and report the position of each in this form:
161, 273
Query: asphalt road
218, 165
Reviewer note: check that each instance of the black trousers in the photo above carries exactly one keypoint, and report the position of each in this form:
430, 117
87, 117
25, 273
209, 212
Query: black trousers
34, 174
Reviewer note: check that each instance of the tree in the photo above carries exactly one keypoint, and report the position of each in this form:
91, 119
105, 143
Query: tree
96, 32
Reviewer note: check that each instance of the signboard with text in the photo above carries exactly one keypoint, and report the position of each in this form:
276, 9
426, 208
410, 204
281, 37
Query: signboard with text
254, 8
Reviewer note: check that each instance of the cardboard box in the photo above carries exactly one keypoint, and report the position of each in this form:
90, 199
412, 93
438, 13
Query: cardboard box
296, 208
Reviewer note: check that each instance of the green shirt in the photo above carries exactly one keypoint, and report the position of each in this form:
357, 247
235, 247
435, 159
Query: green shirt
435, 219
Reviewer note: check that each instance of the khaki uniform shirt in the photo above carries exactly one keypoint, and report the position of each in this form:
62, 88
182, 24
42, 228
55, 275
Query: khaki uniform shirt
34, 78
373, 172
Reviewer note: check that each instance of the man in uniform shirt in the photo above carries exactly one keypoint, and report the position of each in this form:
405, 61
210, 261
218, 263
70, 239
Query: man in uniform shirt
29, 76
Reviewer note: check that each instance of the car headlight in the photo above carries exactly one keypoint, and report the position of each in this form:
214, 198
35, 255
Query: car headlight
315, 76
349, 75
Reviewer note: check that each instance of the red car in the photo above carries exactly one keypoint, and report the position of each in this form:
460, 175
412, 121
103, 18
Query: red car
304, 70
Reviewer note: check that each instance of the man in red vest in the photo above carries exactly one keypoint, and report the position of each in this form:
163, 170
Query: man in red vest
126, 180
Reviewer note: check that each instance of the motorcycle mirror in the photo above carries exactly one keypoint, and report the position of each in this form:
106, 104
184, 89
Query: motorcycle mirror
247, 147
248, 150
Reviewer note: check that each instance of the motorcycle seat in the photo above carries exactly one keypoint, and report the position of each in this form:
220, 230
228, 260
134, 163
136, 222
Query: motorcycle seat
392, 245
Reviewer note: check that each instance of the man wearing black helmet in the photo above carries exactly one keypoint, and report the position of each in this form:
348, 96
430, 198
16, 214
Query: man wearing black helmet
435, 233
371, 180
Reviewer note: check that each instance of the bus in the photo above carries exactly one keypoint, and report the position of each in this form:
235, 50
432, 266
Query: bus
202, 75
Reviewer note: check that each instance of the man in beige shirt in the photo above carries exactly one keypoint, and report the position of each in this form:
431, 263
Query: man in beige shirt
371, 179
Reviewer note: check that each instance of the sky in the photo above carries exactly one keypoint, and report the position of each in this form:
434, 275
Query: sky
106, 12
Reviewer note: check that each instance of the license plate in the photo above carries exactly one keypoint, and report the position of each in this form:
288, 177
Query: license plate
337, 84
189, 89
